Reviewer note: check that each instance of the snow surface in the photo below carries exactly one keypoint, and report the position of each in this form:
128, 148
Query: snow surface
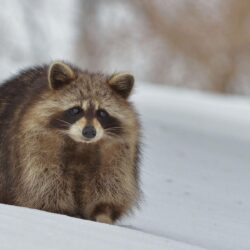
195, 178
35, 32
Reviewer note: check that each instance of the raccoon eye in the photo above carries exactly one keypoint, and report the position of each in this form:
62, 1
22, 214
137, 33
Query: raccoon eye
75, 111
102, 113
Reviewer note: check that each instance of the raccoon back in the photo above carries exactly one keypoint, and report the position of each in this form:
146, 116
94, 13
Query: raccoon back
16, 95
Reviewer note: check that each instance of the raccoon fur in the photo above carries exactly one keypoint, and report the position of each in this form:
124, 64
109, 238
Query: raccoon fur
69, 142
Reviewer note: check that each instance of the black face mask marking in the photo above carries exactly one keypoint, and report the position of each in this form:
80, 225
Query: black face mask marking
109, 123
64, 119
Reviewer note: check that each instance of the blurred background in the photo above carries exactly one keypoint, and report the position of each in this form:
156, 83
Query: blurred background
196, 44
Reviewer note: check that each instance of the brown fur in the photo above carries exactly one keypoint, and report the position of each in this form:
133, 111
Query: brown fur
42, 167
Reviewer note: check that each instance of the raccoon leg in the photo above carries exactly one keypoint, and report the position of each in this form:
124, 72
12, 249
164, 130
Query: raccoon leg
103, 218
106, 213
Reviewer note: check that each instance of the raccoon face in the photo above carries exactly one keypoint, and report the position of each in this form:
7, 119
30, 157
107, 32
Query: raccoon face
90, 124
92, 107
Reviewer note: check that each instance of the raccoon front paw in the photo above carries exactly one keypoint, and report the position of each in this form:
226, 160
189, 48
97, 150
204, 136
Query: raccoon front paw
106, 213
103, 218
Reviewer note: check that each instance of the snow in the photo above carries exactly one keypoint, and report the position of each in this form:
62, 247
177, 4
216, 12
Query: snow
36, 32
27, 229
196, 167
195, 177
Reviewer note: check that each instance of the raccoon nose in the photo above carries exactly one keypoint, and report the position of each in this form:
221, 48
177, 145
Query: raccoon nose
89, 132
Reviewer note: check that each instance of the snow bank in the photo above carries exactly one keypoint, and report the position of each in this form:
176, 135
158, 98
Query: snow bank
23, 228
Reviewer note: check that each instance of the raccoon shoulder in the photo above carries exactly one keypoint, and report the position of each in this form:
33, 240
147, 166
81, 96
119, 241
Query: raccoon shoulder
17, 92
24, 81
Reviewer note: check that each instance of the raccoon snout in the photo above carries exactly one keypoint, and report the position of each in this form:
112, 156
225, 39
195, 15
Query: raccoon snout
89, 132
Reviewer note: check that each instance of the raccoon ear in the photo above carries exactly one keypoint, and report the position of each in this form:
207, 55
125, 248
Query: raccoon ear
59, 75
122, 84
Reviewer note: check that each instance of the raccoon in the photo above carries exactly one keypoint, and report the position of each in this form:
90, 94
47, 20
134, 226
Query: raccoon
69, 142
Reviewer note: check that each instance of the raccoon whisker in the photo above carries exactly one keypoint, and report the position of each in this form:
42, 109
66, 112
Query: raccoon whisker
113, 128
110, 134
64, 121
67, 123
113, 132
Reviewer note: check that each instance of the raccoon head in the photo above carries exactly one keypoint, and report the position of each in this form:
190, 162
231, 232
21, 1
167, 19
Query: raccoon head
90, 107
